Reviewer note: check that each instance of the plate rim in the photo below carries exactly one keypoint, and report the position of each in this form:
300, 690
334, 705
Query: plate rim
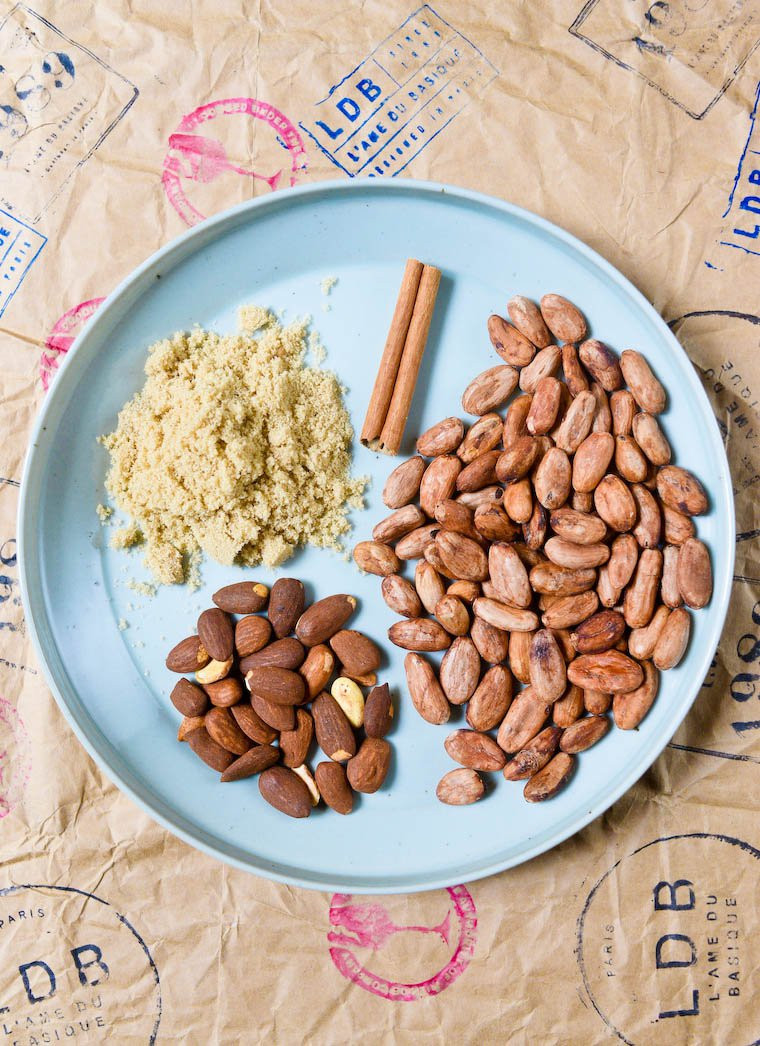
26, 527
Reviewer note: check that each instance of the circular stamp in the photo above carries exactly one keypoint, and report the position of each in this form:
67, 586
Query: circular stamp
223, 142
15, 757
62, 336
374, 944
668, 944
74, 968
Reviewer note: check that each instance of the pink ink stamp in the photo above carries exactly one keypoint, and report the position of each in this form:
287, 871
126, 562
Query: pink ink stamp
15, 757
199, 156
62, 336
368, 928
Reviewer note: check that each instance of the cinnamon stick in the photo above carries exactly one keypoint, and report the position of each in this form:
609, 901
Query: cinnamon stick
414, 347
394, 347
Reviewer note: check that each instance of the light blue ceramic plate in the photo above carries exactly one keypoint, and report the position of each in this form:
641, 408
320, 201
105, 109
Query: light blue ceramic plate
112, 684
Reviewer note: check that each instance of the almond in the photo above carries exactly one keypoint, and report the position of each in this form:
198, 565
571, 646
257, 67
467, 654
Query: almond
439, 482
307, 777
642, 641
252, 725
207, 749
641, 594
484, 435
317, 669
651, 439
295, 743
442, 438
545, 363
548, 675
564, 320
402, 521
222, 728
581, 528
591, 460
569, 707
244, 597
568, 611
188, 725
460, 670
225, 693
324, 618
599, 632
350, 699
569, 554
413, 545
475, 750
694, 573
460, 787
648, 530
369, 767
630, 708
279, 685
283, 653
480, 473
281, 717
254, 761
252, 634
525, 717
419, 634
602, 363
575, 376
285, 791
374, 557
489, 389
550, 579
669, 590
552, 481
681, 490
425, 690
526, 316
622, 409
677, 527
615, 504
577, 422
646, 389
355, 651
534, 756
187, 656
378, 712
401, 596
549, 781
491, 699
333, 784
216, 633
334, 734
452, 614
509, 619
610, 671
189, 699
403, 484
213, 671
462, 556
286, 603
513, 347
492, 643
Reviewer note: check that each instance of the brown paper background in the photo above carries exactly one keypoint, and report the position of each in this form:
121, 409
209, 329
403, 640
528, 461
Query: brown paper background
643, 172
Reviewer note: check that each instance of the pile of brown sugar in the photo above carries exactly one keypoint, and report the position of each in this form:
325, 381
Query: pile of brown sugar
234, 447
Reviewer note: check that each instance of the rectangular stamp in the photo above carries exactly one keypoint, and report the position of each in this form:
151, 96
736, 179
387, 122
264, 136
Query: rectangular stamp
688, 50
393, 104
742, 228
19, 246
58, 101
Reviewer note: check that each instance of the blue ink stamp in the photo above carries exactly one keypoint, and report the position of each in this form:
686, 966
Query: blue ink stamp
742, 229
393, 104
690, 51
58, 102
19, 247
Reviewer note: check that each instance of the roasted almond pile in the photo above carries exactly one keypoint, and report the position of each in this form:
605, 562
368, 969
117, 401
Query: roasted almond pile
554, 544
269, 731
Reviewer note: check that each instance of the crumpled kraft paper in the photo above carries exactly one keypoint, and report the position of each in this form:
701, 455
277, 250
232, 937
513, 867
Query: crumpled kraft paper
630, 123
